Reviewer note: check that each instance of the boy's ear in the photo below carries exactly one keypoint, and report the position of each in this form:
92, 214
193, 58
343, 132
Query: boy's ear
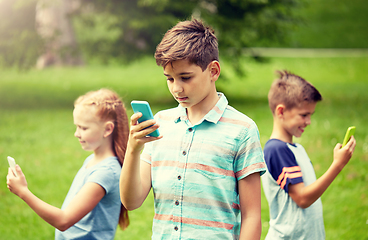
279, 110
214, 68
109, 128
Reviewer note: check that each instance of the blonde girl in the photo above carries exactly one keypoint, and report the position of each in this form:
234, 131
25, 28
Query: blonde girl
92, 207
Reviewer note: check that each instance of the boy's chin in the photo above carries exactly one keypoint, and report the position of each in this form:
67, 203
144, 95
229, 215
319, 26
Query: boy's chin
297, 136
184, 104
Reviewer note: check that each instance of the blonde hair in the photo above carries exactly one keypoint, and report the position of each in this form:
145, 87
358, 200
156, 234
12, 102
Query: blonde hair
291, 90
109, 107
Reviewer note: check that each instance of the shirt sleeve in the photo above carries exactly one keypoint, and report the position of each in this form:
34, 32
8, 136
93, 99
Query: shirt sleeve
281, 164
250, 157
106, 176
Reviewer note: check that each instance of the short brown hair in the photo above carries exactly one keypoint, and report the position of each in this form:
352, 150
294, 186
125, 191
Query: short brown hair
291, 90
189, 40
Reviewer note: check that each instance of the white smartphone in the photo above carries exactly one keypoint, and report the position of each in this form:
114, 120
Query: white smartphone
350, 132
11, 162
145, 109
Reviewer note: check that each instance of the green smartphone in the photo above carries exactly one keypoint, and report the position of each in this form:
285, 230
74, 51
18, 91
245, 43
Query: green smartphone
350, 132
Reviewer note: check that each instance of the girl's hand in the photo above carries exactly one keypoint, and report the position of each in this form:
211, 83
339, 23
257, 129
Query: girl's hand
16, 185
139, 131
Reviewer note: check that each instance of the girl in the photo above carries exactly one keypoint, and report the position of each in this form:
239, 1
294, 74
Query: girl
92, 206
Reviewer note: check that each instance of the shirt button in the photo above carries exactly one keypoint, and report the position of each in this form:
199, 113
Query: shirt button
190, 129
179, 177
184, 153
176, 228
176, 202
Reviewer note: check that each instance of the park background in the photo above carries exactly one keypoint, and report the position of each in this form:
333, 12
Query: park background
329, 48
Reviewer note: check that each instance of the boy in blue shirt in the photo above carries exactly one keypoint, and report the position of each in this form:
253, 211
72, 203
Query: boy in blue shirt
290, 185
205, 167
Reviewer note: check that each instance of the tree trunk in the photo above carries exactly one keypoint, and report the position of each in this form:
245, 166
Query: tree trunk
55, 27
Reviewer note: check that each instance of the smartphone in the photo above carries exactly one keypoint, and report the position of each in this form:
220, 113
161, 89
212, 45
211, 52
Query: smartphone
11, 162
145, 109
350, 132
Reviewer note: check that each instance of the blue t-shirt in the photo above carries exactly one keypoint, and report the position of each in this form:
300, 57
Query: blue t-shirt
195, 171
289, 164
102, 221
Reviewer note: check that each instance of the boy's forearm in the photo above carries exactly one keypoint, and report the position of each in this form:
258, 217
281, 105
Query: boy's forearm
131, 189
325, 181
251, 229
250, 207
309, 194
306, 196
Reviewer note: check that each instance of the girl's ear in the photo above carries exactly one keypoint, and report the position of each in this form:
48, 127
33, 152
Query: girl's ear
279, 111
109, 128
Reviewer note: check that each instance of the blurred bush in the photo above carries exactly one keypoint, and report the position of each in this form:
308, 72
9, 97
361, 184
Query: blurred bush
124, 30
20, 45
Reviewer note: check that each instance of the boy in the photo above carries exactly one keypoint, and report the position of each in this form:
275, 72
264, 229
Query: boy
205, 168
290, 185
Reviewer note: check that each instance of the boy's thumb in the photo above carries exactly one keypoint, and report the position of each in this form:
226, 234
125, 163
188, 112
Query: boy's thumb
338, 146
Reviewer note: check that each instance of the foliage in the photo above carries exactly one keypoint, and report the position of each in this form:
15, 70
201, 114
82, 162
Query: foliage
322, 26
113, 30
20, 45
140, 24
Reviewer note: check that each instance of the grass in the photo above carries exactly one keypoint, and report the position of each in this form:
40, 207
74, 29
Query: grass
36, 128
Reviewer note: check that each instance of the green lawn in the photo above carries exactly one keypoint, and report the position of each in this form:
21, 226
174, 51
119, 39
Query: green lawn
36, 128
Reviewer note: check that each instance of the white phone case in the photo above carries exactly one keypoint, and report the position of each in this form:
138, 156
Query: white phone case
11, 162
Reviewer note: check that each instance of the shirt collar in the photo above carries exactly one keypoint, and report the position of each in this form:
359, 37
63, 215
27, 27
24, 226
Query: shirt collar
213, 115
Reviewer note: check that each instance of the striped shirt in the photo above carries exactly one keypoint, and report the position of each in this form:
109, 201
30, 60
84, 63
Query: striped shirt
195, 169
289, 164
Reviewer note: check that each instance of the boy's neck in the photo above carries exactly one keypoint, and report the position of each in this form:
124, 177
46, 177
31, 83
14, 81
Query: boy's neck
197, 112
280, 133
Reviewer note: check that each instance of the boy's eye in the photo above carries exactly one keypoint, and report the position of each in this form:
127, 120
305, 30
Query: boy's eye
170, 79
185, 78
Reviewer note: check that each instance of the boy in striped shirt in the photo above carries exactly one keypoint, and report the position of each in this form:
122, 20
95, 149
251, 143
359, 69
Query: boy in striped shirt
205, 167
290, 185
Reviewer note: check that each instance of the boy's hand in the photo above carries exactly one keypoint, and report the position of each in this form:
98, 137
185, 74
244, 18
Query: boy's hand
343, 155
16, 185
139, 131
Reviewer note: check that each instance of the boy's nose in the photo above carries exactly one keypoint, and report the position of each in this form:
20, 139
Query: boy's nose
177, 87
308, 121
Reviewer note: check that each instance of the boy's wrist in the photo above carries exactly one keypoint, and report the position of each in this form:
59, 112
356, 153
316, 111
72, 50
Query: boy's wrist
337, 166
134, 149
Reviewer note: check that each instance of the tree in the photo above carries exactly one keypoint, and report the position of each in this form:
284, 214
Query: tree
20, 45
37, 30
55, 28
128, 29
125, 30
139, 25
